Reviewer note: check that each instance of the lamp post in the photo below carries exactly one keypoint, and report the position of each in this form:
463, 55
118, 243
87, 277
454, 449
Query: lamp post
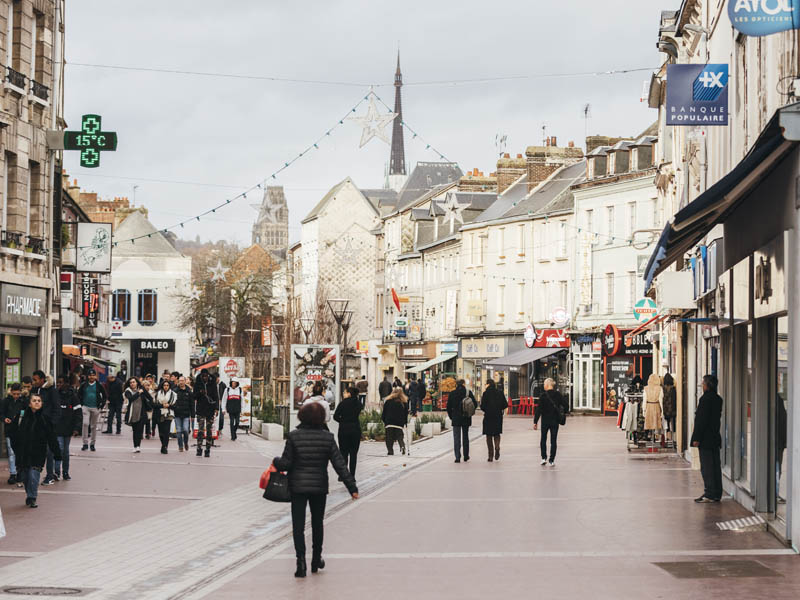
338, 307
348, 316
307, 325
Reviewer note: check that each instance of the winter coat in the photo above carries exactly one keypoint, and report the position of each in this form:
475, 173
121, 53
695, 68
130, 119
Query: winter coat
50, 405
384, 389
305, 458
12, 410
707, 420
206, 398
70, 419
493, 404
395, 412
546, 407
102, 395
362, 386
455, 411
184, 403
653, 399
138, 405
670, 402
233, 400
169, 398
34, 436
347, 416
115, 390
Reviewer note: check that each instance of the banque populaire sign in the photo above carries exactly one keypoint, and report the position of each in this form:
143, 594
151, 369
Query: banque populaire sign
697, 95
764, 17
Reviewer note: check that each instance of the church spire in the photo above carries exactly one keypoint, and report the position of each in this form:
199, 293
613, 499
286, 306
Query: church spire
397, 158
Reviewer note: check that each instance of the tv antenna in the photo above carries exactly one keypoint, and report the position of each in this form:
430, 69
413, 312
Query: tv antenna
587, 114
500, 140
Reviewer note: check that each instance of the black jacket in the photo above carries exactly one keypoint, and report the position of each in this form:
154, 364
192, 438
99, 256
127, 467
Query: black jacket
50, 406
11, 410
71, 417
305, 458
384, 388
34, 436
346, 415
102, 395
670, 401
546, 407
454, 407
115, 390
493, 403
184, 403
233, 405
206, 398
131, 396
707, 420
395, 412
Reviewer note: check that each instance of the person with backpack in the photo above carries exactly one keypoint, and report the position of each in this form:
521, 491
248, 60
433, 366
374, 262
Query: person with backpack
552, 410
460, 408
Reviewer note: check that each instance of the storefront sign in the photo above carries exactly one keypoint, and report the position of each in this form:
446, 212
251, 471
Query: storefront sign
153, 345
66, 283
645, 309
24, 306
90, 299
551, 338
764, 17
559, 317
617, 343
449, 347
247, 401
619, 373
597, 346
401, 322
417, 351
612, 340
474, 308
362, 347
94, 248
476, 348
697, 94
231, 367
116, 328
530, 335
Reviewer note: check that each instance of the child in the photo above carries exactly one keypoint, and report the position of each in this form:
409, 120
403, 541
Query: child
34, 436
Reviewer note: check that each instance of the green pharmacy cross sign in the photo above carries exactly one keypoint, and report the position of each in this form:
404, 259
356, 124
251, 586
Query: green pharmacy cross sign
90, 140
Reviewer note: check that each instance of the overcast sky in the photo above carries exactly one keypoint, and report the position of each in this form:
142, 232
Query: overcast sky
229, 134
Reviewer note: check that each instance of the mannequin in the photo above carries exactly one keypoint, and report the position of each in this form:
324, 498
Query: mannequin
653, 403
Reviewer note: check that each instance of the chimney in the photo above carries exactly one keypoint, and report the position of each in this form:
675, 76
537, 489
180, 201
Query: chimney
509, 170
553, 141
543, 161
571, 144
507, 155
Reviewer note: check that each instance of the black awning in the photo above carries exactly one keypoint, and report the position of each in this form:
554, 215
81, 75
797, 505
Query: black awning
713, 206
523, 357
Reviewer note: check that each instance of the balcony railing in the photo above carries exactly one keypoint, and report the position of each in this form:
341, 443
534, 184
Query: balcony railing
15, 78
35, 244
11, 239
41, 91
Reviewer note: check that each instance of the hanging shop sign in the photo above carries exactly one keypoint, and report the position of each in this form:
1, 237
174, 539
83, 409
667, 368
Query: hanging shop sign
530, 335
154, 345
474, 308
22, 305
266, 331
551, 338
93, 248
617, 343
764, 17
697, 95
362, 347
645, 309
612, 340
559, 317
116, 328
90, 299
90, 140
476, 348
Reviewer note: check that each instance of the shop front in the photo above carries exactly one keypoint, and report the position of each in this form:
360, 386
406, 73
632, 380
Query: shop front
23, 316
152, 356
474, 353
587, 368
439, 375
625, 357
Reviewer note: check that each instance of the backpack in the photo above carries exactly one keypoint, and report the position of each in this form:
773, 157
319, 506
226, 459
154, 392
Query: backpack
468, 405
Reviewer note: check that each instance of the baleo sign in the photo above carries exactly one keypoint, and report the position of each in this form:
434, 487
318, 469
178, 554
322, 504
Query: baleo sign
764, 17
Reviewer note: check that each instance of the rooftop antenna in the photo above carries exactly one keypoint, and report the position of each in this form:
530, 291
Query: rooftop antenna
500, 140
587, 114
135, 187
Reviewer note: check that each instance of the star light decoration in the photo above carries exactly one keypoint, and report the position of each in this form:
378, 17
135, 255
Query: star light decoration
218, 271
373, 123
453, 209
348, 254
194, 294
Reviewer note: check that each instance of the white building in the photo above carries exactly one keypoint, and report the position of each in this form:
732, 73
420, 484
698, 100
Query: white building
147, 278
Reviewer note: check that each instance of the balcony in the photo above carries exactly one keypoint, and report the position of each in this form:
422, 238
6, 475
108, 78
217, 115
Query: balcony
40, 93
11, 239
15, 81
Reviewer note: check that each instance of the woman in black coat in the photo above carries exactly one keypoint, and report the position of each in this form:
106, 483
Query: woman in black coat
34, 436
349, 427
136, 413
308, 450
493, 403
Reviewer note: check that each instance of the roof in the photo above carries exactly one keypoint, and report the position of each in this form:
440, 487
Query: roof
599, 151
426, 176
151, 241
510, 196
645, 140
553, 194
474, 204
621, 146
381, 198
332, 192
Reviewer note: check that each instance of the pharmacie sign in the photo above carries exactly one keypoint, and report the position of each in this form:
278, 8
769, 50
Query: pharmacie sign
23, 306
154, 345
697, 95
764, 17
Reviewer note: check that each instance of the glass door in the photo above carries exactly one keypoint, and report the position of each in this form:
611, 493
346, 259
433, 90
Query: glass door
587, 382
780, 412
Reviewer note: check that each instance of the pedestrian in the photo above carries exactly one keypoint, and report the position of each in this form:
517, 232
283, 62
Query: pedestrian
317, 395
232, 400
550, 404
164, 377
35, 436
136, 413
460, 413
69, 423
346, 415
363, 388
422, 394
114, 390
13, 405
42, 385
183, 410
306, 455
206, 407
413, 396
493, 404
670, 404
397, 383
92, 397
384, 388
163, 403
395, 418
150, 426
707, 439
221, 387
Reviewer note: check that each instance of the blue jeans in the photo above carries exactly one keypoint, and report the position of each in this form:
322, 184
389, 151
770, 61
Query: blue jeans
63, 443
12, 459
182, 428
461, 434
30, 477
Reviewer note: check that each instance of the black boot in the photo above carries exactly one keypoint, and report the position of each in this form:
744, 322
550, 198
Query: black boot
301, 568
208, 451
199, 450
317, 563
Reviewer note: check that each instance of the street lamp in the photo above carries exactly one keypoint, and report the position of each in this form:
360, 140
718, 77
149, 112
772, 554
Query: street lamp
307, 325
338, 307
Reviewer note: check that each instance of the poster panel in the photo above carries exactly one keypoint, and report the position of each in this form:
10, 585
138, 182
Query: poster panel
247, 402
93, 248
231, 367
311, 363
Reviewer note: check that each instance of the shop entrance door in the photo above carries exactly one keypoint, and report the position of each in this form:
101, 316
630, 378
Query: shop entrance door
587, 382
145, 363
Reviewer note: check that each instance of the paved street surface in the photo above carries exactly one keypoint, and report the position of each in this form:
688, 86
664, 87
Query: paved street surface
597, 525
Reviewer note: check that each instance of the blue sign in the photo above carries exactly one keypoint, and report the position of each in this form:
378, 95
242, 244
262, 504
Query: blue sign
764, 17
697, 95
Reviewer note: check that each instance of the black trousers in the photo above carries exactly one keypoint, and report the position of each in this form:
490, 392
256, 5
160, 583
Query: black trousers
163, 431
394, 434
221, 421
552, 427
317, 504
461, 437
711, 470
114, 410
234, 420
348, 446
138, 428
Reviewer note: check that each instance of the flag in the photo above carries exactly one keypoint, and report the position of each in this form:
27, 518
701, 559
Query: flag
396, 300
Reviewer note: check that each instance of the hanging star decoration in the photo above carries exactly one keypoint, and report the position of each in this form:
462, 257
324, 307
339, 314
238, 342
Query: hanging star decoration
348, 254
218, 271
453, 209
194, 294
373, 123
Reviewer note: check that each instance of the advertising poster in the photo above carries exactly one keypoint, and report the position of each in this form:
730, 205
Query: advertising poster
231, 367
312, 363
247, 402
94, 248
619, 373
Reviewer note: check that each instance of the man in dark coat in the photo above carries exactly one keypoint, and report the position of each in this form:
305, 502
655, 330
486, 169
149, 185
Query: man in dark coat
115, 401
707, 439
413, 397
461, 422
69, 423
206, 407
547, 409
13, 405
384, 388
493, 403
43, 386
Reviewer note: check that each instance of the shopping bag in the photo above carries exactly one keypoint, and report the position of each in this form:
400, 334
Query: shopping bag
277, 489
262, 483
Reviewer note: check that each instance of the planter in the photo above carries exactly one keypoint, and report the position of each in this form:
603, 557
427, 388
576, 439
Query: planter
255, 426
372, 427
272, 432
448, 424
431, 429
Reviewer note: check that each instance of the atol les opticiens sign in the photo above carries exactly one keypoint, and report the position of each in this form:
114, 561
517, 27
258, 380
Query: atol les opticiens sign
764, 17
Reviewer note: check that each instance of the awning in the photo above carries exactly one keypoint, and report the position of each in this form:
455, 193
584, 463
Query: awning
434, 361
208, 365
523, 357
646, 325
713, 206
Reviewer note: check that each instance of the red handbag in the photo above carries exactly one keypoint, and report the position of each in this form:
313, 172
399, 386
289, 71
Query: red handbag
264, 480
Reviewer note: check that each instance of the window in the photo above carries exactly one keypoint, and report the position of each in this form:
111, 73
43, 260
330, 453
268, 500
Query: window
469, 242
542, 308
546, 249
631, 218
656, 214
610, 293
520, 301
610, 224
121, 306
501, 301
631, 290
10, 36
28, 199
521, 240
562, 239
589, 222
4, 214
148, 307
562, 293
501, 244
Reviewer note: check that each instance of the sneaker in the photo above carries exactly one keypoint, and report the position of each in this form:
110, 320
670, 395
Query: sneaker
703, 500
92, 448
48, 481
56, 477
552, 464
137, 449
12, 480
33, 503
163, 450
544, 462
85, 447
67, 477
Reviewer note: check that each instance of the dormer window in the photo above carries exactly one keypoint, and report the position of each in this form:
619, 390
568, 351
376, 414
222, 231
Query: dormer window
590, 168
612, 159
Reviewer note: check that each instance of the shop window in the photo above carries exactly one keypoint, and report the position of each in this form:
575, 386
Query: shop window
121, 306
781, 412
148, 307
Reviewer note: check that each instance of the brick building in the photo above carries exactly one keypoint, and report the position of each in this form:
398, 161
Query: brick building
100, 210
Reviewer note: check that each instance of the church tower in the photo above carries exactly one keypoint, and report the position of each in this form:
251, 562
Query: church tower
397, 158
